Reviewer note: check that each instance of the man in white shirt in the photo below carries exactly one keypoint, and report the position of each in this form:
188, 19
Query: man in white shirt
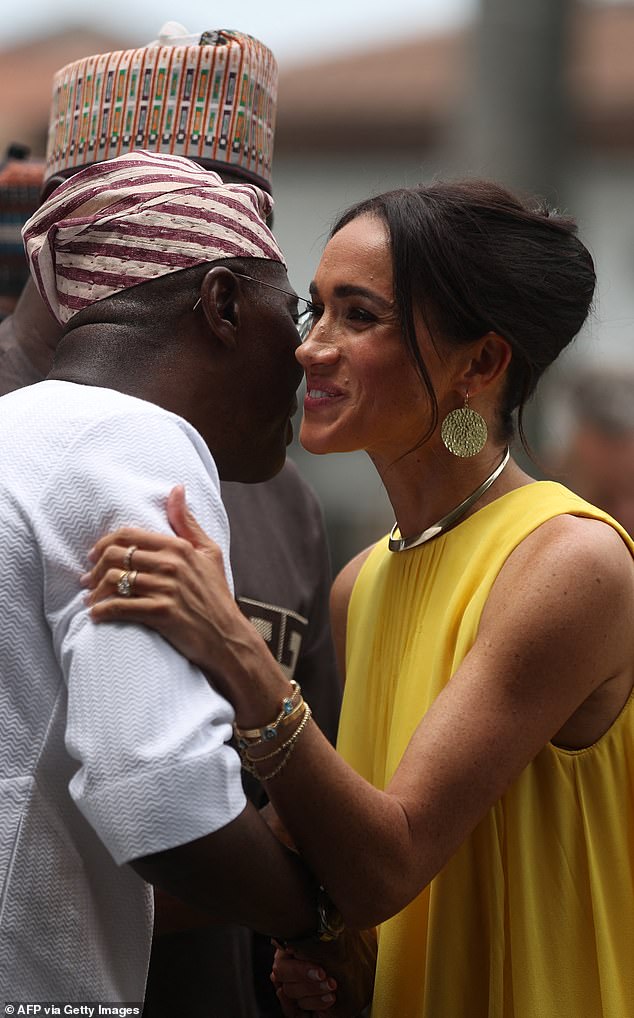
177, 365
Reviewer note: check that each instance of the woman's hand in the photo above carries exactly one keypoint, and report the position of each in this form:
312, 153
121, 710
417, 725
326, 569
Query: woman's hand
302, 986
179, 588
171, 581
336, 977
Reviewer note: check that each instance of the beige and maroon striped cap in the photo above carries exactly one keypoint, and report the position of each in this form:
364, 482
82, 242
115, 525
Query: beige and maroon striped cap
143, 215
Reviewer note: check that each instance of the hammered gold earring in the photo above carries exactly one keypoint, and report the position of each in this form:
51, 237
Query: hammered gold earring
464, 431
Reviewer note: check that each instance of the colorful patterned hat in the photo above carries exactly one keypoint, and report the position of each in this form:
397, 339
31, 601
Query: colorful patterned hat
211, 98
120, 223
20, 187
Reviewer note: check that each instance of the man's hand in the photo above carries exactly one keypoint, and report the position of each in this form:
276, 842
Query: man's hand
335, 977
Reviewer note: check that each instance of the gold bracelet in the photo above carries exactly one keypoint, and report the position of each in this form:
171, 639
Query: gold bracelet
269, 731
283, 726
292, 743
279, 749
247, 766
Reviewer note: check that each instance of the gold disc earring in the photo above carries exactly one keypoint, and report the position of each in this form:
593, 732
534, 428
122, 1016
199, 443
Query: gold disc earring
464, 431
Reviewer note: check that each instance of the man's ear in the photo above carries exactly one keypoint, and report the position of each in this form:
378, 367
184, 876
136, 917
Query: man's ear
219, 296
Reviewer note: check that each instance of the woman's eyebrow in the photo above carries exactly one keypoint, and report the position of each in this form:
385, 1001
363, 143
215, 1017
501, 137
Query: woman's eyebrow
348, 290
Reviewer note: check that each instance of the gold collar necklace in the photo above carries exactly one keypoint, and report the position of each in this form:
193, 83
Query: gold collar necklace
452, 517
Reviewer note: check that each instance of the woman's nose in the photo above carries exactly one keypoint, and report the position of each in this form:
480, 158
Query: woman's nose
319, 346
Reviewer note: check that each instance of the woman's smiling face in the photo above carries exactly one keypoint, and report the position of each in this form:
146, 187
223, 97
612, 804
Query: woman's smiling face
363, 391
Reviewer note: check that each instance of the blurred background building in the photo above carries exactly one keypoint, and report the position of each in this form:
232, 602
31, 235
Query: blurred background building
538, 94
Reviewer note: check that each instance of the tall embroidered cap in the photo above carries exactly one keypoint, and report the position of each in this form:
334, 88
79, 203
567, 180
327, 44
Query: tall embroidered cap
143, 215
20, 186
211, 98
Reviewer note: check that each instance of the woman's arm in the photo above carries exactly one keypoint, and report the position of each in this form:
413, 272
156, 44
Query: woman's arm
340, 595
556, 627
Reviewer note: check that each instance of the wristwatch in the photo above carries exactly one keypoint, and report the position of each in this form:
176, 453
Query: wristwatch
330, 923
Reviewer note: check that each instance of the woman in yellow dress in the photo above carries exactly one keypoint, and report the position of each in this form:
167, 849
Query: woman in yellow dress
480, 807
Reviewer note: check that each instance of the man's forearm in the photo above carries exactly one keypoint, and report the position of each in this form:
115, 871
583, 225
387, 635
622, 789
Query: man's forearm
239, 874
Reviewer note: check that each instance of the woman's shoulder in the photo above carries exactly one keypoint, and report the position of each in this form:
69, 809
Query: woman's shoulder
538, 500
346, 578
558, 534
570, 575
581, 542
340, 595
531, 514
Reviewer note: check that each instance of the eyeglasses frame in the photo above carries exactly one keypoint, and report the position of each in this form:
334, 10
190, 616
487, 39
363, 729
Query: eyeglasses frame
304, 321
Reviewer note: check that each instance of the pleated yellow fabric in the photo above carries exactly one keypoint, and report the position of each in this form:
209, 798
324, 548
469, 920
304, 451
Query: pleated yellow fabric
534, 915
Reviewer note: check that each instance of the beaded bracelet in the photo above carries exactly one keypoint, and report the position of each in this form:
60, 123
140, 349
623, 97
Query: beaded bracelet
279, 749
249, 763
254, 736
285, 725
292, 743
282, 727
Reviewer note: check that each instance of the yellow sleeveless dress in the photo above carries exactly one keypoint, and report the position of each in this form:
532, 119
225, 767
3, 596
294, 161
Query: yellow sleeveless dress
534, 915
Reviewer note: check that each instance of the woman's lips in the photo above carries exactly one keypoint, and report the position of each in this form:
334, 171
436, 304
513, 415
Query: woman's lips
320, 394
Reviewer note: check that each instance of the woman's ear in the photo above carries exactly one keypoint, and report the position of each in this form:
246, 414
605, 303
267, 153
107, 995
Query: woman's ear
219, 298
490, 357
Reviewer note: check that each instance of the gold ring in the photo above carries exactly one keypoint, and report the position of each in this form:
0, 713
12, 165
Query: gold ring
124, 587
127, 558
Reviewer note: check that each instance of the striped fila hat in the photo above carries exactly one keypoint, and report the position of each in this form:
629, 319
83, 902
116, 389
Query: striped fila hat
143, 215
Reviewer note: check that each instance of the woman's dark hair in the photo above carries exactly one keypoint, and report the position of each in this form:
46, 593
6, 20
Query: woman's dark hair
473, 258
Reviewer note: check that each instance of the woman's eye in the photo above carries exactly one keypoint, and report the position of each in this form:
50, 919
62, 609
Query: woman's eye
312, 315
361, 315
307, 320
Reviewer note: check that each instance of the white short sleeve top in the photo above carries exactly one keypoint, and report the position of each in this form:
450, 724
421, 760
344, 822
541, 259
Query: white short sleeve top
114, 746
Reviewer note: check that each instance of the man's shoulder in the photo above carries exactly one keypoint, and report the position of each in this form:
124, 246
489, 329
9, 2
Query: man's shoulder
54, 407
57, 431
290, 479
287, 492
16, 370
281, 513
